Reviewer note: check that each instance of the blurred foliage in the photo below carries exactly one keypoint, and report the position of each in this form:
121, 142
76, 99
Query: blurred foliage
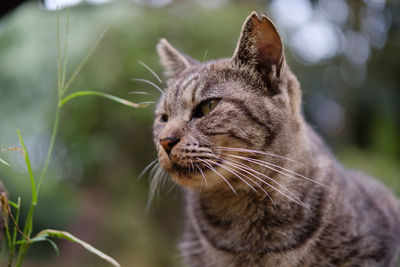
92, 188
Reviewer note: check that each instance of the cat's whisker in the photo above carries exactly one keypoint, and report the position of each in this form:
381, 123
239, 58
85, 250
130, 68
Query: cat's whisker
209, 166
205, 55
289, 171
153, 170
141, 93
238, 149
176, 188
202, 175
271, 167
191, 162
247, 170
147, 168
172, 187
163, 178
260, 163
149, 82
258, 185
151, 71
157, 177
202, 179
234, 173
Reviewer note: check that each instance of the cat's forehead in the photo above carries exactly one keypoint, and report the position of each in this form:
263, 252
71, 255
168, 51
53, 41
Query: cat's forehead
204, 81
196, 83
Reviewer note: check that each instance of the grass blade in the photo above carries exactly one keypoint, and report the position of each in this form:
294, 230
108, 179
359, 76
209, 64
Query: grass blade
29, 220
54, 245
13, 204
105, 95
40, 239
4, 162
67, 236
29, 166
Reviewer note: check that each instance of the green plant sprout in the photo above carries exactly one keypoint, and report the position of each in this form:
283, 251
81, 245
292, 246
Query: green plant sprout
26, 238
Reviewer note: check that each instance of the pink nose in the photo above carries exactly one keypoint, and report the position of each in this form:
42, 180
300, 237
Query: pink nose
168, 143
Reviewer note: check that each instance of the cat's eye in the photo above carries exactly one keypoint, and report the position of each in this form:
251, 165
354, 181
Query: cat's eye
205, 107
164, 118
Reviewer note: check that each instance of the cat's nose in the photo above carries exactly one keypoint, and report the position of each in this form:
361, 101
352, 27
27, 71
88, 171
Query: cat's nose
168, 143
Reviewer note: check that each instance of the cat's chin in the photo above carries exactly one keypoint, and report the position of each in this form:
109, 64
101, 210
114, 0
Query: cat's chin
189, 176
195, 178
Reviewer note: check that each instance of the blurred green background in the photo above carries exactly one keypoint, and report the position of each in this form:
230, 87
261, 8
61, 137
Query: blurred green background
346, 57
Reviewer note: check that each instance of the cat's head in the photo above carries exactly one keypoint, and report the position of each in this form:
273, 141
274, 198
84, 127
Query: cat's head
212, 114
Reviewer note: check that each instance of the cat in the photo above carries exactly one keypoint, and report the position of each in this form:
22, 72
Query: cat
262, 189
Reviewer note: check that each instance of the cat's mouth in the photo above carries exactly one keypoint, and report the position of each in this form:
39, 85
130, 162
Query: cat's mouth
192, 170
188, 171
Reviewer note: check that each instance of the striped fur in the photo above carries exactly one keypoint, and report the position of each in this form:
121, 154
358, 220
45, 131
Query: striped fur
262, 188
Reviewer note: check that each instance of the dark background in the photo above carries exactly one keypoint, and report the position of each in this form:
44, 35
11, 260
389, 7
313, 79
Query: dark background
345, 54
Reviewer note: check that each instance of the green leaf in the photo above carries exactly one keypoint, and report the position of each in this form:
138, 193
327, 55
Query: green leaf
15, 205
28, 165
105, 95
41, 239
32, 240
4, 162
54, 245
65, 235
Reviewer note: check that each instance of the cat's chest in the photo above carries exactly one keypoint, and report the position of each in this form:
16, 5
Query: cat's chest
222, 258
250, 247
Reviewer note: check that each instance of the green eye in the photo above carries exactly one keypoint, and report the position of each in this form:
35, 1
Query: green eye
206, 107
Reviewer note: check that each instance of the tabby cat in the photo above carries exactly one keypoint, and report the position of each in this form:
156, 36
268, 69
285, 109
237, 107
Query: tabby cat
262, 189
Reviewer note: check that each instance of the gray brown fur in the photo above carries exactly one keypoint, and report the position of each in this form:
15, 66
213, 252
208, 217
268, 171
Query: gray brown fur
340, 218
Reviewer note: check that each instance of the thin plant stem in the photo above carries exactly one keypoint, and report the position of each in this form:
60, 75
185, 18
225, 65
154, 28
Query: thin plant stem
80, 66
50, 151
58, 53
65, 59
14, 238
24, 247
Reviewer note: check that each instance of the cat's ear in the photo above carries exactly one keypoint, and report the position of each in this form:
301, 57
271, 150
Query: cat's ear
260, 47
174, 61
